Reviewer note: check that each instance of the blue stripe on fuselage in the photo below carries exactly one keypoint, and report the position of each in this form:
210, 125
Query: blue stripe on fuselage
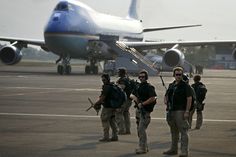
69, 43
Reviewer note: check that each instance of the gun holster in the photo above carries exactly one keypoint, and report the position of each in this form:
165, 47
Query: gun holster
168, 116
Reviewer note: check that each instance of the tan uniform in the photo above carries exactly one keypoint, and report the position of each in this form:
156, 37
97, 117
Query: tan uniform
177, 95
142, 121
123, 118
144, 92
108, 120
178, 125
123, 115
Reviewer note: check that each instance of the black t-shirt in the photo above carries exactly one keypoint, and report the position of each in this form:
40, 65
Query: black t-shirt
177, 96
144, 92
106, 92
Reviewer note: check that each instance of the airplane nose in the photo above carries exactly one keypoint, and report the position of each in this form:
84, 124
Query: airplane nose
57, 23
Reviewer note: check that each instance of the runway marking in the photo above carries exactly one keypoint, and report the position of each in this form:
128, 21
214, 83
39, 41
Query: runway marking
45, 88
45, 92
86, 116
18, 76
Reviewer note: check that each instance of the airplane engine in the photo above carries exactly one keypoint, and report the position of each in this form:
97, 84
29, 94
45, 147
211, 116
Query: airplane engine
10, 55
173, 57
234, 54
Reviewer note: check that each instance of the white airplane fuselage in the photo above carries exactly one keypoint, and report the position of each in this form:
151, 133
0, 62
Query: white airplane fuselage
73, 24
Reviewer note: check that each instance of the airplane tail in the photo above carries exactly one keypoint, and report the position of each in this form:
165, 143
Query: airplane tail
134, 9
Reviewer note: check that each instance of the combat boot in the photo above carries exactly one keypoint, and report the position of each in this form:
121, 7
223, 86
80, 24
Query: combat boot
183, 155
104, 139
114, 139
141, 150
170, 152
121, 133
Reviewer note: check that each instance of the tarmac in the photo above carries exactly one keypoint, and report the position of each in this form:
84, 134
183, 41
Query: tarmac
43, 114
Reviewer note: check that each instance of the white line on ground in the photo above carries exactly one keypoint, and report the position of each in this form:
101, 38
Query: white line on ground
39, 88
49, 90
86, 116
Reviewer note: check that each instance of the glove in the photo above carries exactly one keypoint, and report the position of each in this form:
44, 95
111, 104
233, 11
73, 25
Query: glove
140, 105
97, 107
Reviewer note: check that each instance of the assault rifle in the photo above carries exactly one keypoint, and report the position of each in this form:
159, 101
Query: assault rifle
142, 111
163, 83
92, 106
168, 103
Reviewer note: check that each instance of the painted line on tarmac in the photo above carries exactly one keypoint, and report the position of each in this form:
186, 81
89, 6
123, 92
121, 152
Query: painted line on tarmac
45, 88
50, 90
87, 116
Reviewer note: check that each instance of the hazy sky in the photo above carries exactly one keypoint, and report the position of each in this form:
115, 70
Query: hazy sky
27, 18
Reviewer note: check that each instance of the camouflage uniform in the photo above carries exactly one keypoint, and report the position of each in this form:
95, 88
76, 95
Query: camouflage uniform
143, 118
123, 118
122, 114
108, 120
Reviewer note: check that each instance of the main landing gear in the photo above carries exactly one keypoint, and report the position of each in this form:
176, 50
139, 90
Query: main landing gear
64, 67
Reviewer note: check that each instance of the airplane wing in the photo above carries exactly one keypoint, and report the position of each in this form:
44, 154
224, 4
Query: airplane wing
24, 41
168, 28
173, 56
145, 45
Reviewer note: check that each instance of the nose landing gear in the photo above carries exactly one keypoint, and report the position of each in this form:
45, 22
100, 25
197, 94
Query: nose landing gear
64, 67
92, 68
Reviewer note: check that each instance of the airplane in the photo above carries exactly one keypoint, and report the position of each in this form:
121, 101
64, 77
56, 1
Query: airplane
77, 31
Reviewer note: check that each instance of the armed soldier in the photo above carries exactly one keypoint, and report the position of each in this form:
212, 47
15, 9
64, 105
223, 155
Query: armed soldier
108, 112
193, 104
122, 114
178, 99
145, 98
200, 90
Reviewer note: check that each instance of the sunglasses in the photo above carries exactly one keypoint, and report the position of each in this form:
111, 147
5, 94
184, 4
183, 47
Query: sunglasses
141, 77
178, 74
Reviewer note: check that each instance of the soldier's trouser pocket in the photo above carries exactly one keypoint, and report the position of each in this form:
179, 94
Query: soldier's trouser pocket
106, 114
200, 106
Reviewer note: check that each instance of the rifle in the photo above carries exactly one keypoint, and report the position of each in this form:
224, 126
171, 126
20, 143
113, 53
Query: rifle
142, 111
163, 83
168, 103
92, 106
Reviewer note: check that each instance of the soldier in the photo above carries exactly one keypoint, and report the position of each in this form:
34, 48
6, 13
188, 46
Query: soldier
200, 90
108, 113
193, 104
145, 98
122, 114
178, 99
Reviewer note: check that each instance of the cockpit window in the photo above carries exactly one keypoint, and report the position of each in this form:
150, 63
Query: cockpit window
63, 6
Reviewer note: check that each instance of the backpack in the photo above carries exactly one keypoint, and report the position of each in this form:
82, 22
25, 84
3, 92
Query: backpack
133, 86
193, 98
117, 96
201, 92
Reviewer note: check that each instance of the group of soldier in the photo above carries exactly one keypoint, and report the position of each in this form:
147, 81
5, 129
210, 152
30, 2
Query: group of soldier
180, 99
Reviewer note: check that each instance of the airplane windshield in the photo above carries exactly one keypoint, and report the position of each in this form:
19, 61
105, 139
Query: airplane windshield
63, 6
